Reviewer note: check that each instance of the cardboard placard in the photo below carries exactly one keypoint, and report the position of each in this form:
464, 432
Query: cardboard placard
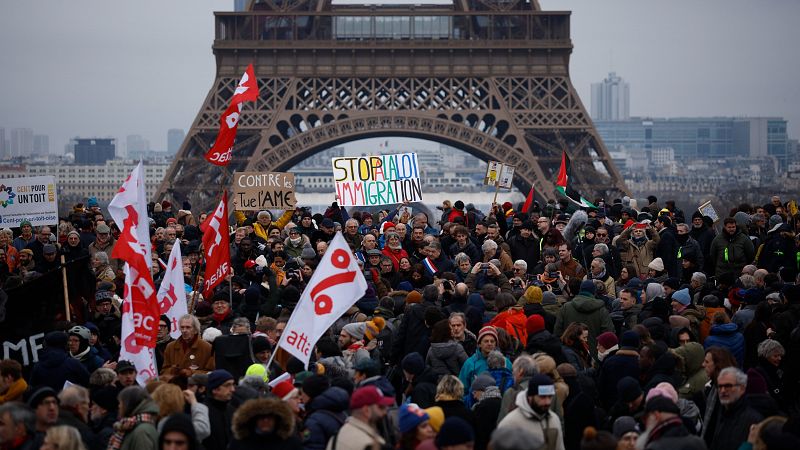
256, 191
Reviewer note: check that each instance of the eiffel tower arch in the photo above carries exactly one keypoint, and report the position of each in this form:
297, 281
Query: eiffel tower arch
490, 77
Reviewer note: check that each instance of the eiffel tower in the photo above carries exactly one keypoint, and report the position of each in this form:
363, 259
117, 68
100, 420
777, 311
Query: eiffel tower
489, 77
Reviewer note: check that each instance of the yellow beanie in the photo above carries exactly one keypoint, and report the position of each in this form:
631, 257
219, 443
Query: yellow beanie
435, 417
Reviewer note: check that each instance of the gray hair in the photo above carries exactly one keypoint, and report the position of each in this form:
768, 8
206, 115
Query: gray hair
741, 377
700, 277
495, 359
600, 261
759, 275
682, 225
522, 263
768, 347
461, 257
489, 245
102, 376
193, 318
264, 214
241, 322
459, 315
602, 248
748, 281
102, 256
526, 364
73, 396
20, 414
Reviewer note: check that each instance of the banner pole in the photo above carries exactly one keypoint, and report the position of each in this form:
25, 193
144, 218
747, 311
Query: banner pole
66, 288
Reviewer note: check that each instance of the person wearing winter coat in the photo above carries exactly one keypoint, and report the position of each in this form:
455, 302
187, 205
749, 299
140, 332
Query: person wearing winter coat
328, 412
637, 246
579, 409
264, 423
421, 380
731, 250
487, 400
735, 417
541, 340
136, 427
778, 250
725, 333
477, 363
587, 309
625, 362
55, 366
665, 429
533, 413
445, 356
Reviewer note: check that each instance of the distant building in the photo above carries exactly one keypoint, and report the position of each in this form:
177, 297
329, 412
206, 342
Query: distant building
611, 99
240, 5
77, 182
135, 146
21, 142
174, 140
700, 137
41, 144
94, 150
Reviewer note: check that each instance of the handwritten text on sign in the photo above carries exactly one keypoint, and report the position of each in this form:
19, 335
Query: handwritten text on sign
377, 180
256, 191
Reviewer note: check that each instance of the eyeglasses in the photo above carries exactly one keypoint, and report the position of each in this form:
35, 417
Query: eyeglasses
517, 269
601, 234
722, 387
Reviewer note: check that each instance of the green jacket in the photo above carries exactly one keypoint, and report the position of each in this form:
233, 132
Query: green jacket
695, 376
740, 252
588, 310
144, 436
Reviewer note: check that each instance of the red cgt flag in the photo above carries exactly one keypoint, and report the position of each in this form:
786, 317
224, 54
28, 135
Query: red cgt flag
246, 91
216, 247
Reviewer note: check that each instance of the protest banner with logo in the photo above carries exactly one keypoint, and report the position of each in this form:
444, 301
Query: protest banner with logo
172, 292
28, 198
377, 180
333, 288
216, 247
257, 191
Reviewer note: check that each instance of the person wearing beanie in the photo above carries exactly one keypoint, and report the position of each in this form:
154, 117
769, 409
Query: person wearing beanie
607, 345
456, 433
656, 271
220, 387
177, 431
540, 339
533, 412
45, 404
680, 300
435, 417
626, 430
628, 399
352, 343
665, 429
587, 309
421, 380
624, 362
477, 363
531, 302
486, 408
107, 317
414, 425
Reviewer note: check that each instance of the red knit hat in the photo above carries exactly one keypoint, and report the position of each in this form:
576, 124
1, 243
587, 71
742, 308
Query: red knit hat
607, 340
285, 389
534, 324
488, 330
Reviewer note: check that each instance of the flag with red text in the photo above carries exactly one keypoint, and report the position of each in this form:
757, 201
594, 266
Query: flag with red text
246, 91
216, 247
129, 211
333, 288
142, 357
172, 293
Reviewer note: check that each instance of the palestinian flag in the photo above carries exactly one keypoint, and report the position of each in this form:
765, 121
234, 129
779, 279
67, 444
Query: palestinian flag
563, 184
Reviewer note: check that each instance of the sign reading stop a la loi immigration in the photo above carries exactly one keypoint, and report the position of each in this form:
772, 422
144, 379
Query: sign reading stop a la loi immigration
335, 286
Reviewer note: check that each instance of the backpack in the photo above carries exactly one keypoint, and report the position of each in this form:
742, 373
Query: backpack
513, 321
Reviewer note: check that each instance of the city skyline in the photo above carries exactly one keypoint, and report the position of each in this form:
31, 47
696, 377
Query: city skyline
131, 83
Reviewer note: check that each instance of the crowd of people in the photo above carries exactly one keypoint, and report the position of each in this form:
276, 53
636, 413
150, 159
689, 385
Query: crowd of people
612, 327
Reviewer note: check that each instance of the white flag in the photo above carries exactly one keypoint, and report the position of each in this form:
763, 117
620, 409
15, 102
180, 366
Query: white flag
142, 357
172, 293
335, 286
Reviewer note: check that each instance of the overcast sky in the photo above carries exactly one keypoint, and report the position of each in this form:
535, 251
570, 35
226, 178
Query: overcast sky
114, 68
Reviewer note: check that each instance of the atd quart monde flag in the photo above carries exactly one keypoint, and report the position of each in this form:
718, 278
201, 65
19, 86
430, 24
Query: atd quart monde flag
335, 286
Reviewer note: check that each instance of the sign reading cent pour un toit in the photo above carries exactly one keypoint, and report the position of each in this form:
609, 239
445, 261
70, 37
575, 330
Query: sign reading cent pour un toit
256, 191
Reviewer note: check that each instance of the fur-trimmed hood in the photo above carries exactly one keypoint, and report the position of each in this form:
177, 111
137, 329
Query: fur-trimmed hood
576, 222
244, 417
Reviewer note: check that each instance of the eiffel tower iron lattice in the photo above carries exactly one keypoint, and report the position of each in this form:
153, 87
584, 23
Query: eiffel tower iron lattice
488, 77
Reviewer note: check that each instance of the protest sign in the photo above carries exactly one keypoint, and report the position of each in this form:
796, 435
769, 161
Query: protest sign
28, 198
707, 209
257, 191
377, 180
499, 175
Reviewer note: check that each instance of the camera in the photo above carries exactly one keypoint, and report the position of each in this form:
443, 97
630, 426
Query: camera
485, 267
552, 275
293, 275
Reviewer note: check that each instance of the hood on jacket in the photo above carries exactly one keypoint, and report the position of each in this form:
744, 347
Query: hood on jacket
724, 328
444, 349
587, 305
333, 399
52, 358
525, 407
693, 355
145, 407
244, 418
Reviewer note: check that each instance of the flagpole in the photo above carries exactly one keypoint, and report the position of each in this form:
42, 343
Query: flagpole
66, 288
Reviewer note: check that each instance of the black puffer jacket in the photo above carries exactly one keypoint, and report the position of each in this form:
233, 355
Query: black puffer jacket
328, 413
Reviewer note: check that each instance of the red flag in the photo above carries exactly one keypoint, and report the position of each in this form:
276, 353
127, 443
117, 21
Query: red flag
129, 210
216, 247
528, 201
246, 91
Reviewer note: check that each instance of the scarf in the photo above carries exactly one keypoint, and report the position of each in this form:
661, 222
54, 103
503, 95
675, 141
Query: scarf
659, 429
220, 317
126, 424
640, 241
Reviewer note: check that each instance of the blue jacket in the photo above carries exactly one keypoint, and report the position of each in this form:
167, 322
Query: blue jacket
474, 366
727, 335
327, 416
